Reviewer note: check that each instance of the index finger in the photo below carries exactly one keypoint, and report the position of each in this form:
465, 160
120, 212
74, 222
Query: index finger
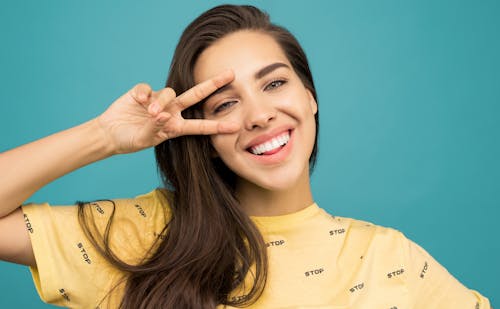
204, 89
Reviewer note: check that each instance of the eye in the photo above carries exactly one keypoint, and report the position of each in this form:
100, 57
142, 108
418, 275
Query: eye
275, 84
223, 106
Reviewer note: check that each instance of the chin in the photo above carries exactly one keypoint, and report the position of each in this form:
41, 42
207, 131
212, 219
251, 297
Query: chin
277, 181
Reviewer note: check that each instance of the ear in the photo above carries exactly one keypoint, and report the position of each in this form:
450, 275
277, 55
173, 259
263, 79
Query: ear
312, 102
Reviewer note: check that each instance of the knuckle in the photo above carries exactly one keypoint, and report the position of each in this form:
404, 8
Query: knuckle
199, 93
170, 92
166, 96
171, 129
178, 103
140, 90
142, 87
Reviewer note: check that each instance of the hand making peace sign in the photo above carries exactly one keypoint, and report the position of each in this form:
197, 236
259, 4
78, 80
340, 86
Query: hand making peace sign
143, 118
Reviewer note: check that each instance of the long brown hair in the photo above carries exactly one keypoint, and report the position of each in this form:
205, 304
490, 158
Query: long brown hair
210, 246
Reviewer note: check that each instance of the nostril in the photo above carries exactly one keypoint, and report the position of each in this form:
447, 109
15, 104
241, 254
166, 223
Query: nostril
259, 118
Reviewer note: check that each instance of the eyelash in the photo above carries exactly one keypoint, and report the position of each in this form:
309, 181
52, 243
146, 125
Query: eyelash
281, 82
270, 86
223, 106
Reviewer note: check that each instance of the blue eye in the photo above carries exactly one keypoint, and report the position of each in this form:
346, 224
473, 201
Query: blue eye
223, 106
274, 84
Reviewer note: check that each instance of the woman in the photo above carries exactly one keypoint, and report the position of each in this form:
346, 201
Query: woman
237, 224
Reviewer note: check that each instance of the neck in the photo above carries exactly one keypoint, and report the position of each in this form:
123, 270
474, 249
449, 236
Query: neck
262, 202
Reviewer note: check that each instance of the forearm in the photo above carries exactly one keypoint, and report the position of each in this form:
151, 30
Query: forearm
128, 125
26, 169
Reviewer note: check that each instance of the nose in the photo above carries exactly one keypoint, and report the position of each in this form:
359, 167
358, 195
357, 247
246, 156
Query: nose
259, 113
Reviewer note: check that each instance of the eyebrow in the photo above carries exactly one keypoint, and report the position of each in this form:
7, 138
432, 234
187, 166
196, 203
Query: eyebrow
261, 73
269, 68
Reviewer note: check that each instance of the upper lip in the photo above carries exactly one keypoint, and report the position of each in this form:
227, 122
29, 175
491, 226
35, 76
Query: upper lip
267, 136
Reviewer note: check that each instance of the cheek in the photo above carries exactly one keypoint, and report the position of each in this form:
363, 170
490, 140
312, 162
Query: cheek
223, 145
298, 104
215, 141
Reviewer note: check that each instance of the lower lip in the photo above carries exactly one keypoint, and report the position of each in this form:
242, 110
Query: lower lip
276, 157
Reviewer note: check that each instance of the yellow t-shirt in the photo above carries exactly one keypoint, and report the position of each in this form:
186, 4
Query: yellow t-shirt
315, 260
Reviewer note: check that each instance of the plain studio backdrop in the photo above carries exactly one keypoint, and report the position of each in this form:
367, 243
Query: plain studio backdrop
409, 96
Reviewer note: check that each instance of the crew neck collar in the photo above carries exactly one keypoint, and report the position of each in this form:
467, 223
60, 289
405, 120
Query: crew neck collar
286, 221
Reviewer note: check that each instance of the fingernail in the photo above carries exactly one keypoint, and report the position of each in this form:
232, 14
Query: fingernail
155, 108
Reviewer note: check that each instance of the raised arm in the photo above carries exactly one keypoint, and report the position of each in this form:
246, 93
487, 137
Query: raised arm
139, 119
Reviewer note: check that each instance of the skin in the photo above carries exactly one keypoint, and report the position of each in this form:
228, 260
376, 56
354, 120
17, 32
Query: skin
262, 106
141, 118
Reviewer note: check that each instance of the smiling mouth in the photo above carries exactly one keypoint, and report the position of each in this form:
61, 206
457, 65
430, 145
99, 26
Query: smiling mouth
272, 146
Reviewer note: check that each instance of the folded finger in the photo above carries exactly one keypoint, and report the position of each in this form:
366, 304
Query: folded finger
203, 89
141, 93
163, 98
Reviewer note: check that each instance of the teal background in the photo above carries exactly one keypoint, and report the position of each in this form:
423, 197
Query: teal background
409, 93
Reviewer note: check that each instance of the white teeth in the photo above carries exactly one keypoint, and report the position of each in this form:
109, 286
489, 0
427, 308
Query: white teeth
272, 144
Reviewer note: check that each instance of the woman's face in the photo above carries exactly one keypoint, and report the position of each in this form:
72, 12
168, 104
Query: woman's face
270, 103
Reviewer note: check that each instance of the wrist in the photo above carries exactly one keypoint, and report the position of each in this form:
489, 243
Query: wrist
98, 140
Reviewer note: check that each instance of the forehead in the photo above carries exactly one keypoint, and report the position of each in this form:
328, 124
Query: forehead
245, 52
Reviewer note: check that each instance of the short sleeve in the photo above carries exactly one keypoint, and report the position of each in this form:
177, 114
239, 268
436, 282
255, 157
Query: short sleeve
69, 271
432, 286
